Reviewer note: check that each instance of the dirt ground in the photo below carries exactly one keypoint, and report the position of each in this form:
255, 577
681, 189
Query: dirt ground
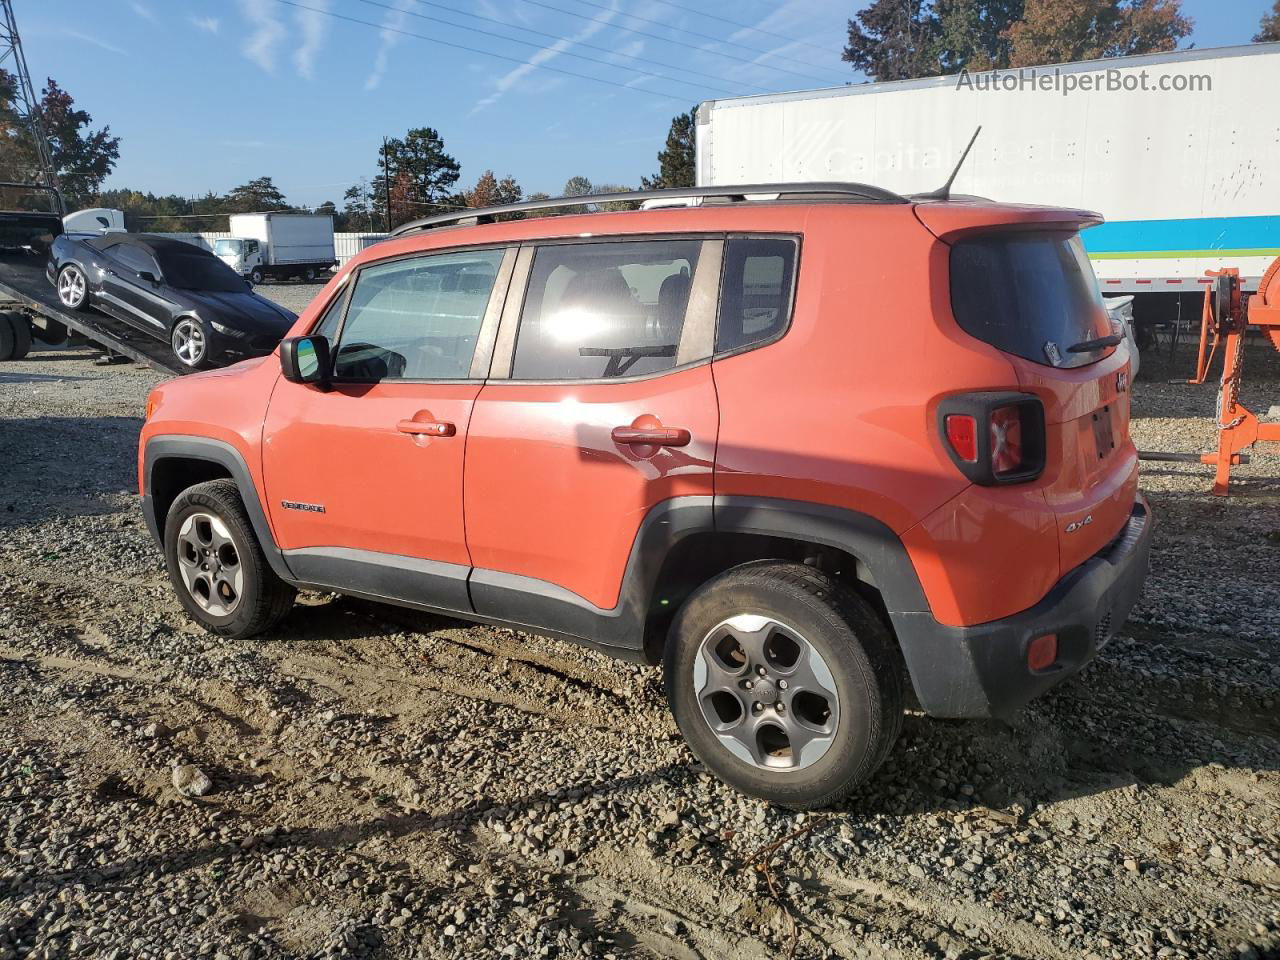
392, 785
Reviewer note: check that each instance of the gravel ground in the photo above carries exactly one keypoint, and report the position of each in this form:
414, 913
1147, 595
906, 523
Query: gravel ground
369, 783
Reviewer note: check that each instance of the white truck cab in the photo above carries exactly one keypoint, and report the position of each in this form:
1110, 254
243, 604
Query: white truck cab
241, 254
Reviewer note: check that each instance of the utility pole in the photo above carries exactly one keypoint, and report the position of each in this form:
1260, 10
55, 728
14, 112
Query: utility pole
386, 177
25, 106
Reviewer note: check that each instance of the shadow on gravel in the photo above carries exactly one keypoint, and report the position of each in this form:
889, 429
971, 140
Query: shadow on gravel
395, 825
59, 466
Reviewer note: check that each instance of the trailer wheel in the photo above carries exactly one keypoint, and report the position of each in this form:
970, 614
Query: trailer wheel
8, 338
21, 328
309, 275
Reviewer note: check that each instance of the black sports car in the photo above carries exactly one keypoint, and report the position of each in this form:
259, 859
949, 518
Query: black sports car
170, 289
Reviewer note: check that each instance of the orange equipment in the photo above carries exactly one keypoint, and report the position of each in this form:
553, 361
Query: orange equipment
1228, 316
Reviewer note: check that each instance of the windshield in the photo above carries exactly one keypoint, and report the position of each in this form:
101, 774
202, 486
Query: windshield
227, 248
1033, 295
199, 271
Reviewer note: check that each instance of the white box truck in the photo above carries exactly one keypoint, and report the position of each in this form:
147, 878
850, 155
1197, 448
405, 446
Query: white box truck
1176, 150
278, 246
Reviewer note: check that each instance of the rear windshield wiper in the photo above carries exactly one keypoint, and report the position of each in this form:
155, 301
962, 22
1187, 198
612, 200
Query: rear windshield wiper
1088, 346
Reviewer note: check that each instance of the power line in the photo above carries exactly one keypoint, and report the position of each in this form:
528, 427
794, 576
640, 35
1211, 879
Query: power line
692, 33
580, 43
483, 53
744, 26
538, 46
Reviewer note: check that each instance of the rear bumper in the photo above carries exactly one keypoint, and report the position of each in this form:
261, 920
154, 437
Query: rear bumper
981, 671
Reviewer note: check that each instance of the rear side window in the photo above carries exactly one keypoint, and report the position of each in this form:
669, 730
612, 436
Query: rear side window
1033, 295
135, 259
416, 319
602, 310
755, 304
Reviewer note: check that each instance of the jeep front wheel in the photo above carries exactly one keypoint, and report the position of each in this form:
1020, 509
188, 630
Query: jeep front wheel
217, 566
784, 683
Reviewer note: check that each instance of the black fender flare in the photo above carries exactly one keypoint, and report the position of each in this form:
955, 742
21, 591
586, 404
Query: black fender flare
225, 455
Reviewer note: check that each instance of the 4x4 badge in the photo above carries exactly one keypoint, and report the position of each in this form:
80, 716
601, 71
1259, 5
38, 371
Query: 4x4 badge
1080, 524
1122, 381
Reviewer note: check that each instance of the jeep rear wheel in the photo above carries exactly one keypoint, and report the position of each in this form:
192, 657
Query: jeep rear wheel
216, 564
784, 683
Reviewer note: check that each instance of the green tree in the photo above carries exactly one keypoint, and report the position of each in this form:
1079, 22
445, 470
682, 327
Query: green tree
1269, 28
614, 204
675, 160
82, 157
577, 187
422, 176
895, 40
357, 207
257, 195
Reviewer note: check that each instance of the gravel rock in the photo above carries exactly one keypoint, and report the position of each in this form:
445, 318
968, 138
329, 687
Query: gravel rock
190, 781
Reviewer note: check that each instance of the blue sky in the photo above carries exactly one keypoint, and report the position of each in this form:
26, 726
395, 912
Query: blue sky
207, 94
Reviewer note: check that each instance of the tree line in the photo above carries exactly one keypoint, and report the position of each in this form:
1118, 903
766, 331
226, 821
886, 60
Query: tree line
414, 176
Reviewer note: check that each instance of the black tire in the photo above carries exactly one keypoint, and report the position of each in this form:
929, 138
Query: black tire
50, 331
256, 276
21, 334
309, 275
263, 598
8, 340
850, 638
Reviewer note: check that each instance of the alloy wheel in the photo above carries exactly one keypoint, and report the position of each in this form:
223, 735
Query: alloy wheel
188, 342
209, 562
766, 693
71, 288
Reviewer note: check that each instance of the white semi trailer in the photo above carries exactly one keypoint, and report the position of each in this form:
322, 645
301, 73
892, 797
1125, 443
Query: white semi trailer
1176, 150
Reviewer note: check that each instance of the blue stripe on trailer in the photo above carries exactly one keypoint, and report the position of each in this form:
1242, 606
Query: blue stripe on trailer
1203, 236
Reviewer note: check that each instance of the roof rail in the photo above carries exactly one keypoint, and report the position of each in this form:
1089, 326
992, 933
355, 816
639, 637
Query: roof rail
832, 192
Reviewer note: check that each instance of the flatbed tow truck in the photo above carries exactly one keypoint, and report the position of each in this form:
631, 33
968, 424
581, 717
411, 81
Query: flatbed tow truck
29, 297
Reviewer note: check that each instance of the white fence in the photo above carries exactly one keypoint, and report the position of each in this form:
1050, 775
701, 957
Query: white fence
345, 245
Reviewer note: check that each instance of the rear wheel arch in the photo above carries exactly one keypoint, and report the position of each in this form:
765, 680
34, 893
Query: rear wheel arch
852, 547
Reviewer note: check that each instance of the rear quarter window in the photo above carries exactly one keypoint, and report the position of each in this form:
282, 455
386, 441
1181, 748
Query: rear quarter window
1033, 295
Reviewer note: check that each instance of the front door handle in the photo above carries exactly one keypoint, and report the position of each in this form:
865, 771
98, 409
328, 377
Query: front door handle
651, 436
427, 428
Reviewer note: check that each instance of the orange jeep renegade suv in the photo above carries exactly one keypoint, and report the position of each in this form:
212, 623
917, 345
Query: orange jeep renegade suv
788, 447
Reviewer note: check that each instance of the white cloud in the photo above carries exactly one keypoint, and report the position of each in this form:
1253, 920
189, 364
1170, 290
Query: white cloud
267, 32
510, 79
393, 21
314, 26
207, 24
95, 41
142, 10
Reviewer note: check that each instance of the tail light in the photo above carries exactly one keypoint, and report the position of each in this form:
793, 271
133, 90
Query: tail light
994, 438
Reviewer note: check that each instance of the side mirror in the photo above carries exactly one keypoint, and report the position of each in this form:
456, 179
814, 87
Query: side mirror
148, 276
305, 360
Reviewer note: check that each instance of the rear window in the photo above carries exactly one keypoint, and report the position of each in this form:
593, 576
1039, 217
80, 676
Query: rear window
1033, 295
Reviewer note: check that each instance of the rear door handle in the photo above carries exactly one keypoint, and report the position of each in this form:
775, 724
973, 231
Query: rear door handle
652, 436
428, 428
